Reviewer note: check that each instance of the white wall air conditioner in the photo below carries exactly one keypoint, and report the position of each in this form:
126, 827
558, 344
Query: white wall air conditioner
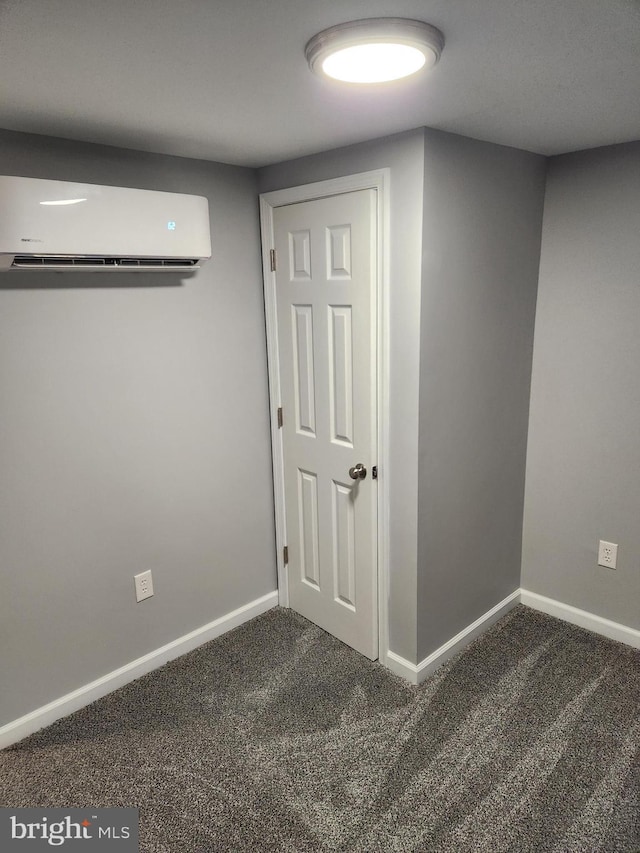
55, 225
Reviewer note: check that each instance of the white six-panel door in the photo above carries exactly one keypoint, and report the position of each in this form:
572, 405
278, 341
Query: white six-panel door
325, 297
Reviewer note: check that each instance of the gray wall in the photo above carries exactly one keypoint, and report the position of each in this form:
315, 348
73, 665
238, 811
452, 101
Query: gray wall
482, 225
583, 466
403, 154
134, 435
134, 430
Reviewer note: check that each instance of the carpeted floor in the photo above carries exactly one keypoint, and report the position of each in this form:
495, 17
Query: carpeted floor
276, 737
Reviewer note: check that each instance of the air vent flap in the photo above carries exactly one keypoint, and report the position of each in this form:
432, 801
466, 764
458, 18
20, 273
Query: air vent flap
57, 262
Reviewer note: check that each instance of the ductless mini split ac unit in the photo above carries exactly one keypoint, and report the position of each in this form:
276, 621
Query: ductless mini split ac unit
55, 225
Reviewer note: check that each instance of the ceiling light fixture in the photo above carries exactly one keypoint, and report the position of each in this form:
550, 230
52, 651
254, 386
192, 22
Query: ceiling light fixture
374, 50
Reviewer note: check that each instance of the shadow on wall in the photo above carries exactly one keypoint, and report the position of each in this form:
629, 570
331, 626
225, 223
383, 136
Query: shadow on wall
49, 280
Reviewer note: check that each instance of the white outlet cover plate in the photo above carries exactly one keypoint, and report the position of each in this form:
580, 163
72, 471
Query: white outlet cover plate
144, 585
607, 554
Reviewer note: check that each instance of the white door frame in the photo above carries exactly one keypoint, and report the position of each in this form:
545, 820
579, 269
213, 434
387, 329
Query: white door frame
378, 180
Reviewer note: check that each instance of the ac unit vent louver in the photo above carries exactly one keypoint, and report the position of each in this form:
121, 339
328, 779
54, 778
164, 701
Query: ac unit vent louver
52, 262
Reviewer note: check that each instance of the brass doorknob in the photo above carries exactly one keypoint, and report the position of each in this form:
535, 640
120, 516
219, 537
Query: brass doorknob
358, 472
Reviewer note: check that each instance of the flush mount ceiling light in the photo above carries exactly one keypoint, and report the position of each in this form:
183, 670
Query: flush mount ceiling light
375, 50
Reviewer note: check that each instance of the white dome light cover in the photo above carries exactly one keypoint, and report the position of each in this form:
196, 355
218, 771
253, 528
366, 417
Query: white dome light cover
399, 37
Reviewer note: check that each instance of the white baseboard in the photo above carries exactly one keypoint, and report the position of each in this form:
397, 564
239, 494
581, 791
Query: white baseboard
414, 673
612, 630
41, 717
417, 673
401, 666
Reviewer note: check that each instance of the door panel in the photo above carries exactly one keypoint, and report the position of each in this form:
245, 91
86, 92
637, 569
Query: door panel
344, 546
325, 294
341, 374
308, 516
304, 368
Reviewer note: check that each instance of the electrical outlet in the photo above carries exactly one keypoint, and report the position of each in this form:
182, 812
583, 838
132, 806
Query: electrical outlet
607, 554
144, 585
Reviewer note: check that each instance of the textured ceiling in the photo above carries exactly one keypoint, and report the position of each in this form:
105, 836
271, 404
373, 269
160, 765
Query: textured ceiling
226, 80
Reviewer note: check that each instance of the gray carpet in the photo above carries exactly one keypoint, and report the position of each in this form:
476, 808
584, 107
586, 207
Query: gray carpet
276, 737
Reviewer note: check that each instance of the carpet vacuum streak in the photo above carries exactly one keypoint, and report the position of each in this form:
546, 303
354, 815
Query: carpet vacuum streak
277, 737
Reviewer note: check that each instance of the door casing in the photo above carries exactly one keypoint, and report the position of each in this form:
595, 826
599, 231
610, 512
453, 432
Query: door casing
378, 180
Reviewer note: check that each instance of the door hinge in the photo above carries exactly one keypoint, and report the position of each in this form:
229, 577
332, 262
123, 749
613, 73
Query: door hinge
273, 259
280, 418
285, 555
374, 472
